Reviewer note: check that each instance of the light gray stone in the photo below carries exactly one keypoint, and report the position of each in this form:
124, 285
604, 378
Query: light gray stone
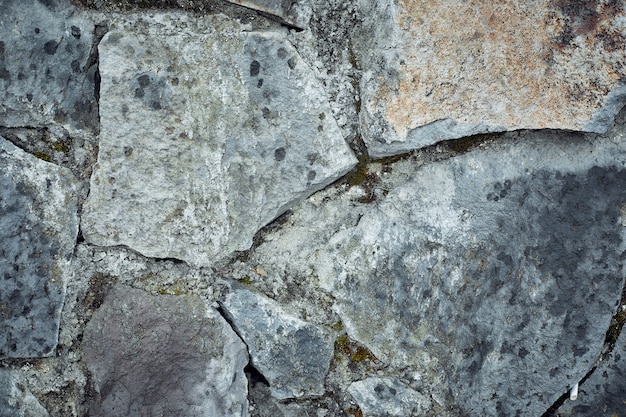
208, 133
291, 354
163, 355
502, 267
437, 71
386, 397
38, 229
46, 74
604, 392
16, 400
292, 12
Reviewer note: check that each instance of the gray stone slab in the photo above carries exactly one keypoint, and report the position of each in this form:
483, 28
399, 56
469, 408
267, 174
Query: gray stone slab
387, 397
293, 355
38, 229
208, 133
604, 392
441, 71
46, 75
16, 400
163, 355
501, 267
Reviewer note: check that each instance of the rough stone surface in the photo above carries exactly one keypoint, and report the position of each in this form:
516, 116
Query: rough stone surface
16, 400
386, 397
444, 70
604, 392
504, 275
38, 229
290, 353
163, 355
200, 143
46, 65
291, 12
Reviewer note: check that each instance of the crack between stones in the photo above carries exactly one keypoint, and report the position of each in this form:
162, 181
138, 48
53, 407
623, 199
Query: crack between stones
612, 334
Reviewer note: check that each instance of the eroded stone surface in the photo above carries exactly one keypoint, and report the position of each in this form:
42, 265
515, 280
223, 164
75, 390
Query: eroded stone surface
292, 12
443, 70
388, 397
38, 228
16, 400
604, 392
290, 353
505, 276
46, 75
163, 355
208, 134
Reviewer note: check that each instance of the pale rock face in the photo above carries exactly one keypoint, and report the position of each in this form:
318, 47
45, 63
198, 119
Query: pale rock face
16, 400
208, 133
293, 355
503, 275
388, 397
46, 66
38, 229
163, 355
443, 70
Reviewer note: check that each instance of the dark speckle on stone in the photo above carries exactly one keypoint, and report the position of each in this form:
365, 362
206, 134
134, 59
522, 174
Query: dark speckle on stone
281, 53
255, 67
5, 74
128, 151
291, 63
144, 81
75, 65
21, 76
76, 32
50, 47
139, 92
29, 97
155, 105
266, 112
37, 30
311, 175
279, 154
1, 48
259, 84
378, 389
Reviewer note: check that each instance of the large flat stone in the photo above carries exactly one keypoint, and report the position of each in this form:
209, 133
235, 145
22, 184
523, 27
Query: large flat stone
46, 75
444, 70
208, 133
293, 355
38, 229
502, 267
388, 397
163, 355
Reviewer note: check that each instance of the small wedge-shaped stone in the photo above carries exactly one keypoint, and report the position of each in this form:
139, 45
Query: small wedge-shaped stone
448, 69
293, 355
46, 75
163, 356
206, 137
38, 229
388, 397
291, 12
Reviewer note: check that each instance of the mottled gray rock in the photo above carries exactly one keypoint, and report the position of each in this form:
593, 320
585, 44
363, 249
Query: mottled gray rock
502, 266
46, 68
604, 392
386, 397
291, 354
208, 133
443, 71
163, 355
16, 400
292, 12
38, 229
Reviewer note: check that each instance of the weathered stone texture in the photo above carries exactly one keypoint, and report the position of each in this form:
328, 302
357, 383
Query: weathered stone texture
604, 392
290, 353
38, 229
504, 275
16, 400
163, 355
46, 74
208, 133
443, 70
388, 397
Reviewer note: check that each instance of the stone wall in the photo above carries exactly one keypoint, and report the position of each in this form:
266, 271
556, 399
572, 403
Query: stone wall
312, 208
